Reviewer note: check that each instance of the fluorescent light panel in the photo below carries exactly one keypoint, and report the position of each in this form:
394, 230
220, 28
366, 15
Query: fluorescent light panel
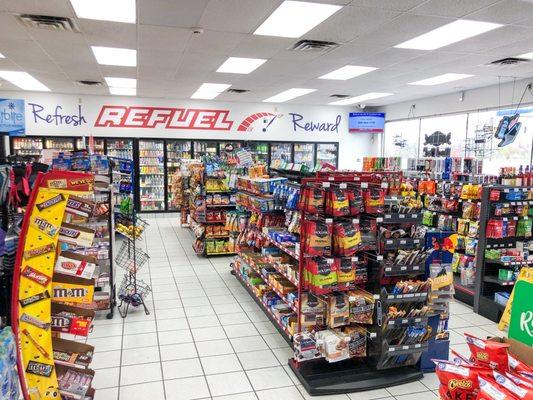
288, 95
528, 56
440, 79
121, 82
106, 10
208, 91
123, 91
294, 18
23, 80
240, 65
2, 56
447, 34
360, 99
115, 56
347, 72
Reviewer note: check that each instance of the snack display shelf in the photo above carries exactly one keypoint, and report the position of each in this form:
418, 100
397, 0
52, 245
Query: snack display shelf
207, 222
403, 298
221, 205
503, 243
220, 254
293, 306
401, 243
273, 318
494, 279
510, 264
405, 321
255, 209
397, 270
399, 218
290, 251
406, 349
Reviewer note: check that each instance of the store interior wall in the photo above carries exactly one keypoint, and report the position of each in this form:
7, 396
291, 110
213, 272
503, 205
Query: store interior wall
330, 123
476, 116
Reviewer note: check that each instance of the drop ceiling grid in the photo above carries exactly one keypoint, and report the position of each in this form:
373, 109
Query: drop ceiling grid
173, 62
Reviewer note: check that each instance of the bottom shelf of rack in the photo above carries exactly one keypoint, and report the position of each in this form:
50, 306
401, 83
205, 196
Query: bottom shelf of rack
488, 308
286, 335
463, 293
319, 377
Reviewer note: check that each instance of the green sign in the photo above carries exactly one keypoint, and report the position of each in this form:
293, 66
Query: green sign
521, 326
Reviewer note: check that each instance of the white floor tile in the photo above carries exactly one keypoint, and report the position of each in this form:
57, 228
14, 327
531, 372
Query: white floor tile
264, 328
214, 347
231, 308
211, 333
233, 318
251, 343
230, 383
107, 394
106, 378
185, 368
167, 304
173, 324
241, 330
187, 388
203, 321
408, 388
141, 340
283, 354
431, 381
258, 359
105, 344
106, 331
286, 393
140, 373
135, 328
220, 364
275, 340
152, 391
240, 396
429, 395
178, 351
106, 359
140, 355
199, 311
170, 313
269, 378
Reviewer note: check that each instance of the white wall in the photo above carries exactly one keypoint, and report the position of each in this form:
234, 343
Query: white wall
352, 147
474, 99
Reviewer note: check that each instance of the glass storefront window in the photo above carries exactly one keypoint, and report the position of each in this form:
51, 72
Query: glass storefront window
401, 139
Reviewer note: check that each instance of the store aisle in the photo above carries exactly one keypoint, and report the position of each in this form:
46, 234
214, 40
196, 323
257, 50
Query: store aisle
206, 338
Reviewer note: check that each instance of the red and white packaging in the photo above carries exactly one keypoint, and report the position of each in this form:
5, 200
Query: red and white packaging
458, 382
488, 353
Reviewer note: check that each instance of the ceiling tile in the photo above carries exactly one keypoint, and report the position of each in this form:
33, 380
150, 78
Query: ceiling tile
182, 13
504, 12
451, 8
243, 16
111, 34
163, 38
261, 46
60, 8
215, 43
400, 5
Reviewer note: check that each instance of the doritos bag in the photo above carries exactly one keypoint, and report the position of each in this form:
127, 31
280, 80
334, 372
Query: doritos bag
488, 353
457, 382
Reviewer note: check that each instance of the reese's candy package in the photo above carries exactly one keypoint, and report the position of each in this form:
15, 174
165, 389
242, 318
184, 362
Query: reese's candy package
488, 353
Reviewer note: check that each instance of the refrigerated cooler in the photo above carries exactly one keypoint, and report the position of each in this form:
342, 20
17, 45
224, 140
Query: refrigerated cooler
59, 143
228, 151
280, 151
151, 175
176, 151
122, 148
304, 153
259, 151
82, 143
27, 146
327, 153
202, 148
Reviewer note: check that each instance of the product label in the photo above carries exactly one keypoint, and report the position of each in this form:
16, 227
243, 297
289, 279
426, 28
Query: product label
34, 299
36, 276
78, 236
39, 251
73, 292
57, 183
50, 202
79, 206
78, 266
34, 321
37, 368
45, 227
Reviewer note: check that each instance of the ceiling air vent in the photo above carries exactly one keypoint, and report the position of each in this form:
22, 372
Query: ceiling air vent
48, 22
340, 96
313, 45
89, 83
237, 90
509, 61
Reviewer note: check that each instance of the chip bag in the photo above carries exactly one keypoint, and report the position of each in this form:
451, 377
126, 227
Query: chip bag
514, 389
518, 367
488, 353
458, 382
490, 390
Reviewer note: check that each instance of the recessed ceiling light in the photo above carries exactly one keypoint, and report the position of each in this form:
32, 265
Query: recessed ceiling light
122, 91
359, 99
209, 91
2, 56
347, 72
294, 18
528, 56
288, 95
106, 10
240, 65
23, 80
115, 56
440, 79
447, 34
121, 82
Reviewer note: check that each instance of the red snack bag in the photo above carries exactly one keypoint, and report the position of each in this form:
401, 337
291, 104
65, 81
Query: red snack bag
318, 235
519, 367
355, 198
374, 200
490, 390
513, 388
459, 359
520, 380
337, 203
457, 382
488, 353
314, 200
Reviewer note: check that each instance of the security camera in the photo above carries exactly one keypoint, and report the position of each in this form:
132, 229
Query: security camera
197, 31
361, 106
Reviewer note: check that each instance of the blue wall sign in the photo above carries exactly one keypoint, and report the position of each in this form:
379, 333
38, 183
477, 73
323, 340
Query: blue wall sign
12, 119
366, 122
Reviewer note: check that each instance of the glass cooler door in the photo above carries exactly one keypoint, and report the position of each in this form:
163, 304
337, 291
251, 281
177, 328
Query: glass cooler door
176, 151
259, 151
326, 153
122, 148
304, 153
204, 148
280, 152
151, 175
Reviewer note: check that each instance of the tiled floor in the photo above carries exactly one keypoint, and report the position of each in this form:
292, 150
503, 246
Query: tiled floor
205, 338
